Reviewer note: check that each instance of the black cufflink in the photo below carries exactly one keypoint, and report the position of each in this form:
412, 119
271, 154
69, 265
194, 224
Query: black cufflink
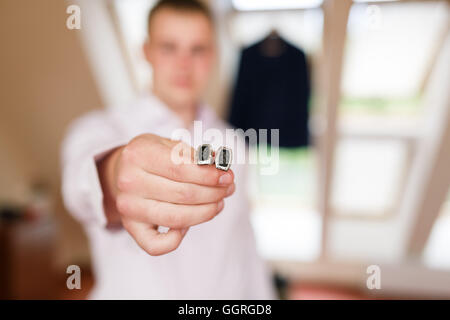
223, 158
204, 154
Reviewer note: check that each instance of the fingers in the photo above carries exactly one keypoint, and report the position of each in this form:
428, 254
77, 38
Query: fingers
155, 187
157, 183
173, 160
166, 214
152, 241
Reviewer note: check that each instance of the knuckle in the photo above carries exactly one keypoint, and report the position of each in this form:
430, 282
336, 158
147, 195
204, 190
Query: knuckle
218, 194
124, 181
175, 171
185, 194
211, 178
138, 139
188, 152
122, 203
174, 219
153, 206
128, 153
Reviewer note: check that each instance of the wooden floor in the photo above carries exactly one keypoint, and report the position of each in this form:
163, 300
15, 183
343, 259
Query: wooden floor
294, 291
322, 292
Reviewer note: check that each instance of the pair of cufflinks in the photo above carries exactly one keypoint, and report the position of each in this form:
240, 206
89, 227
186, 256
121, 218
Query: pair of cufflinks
206, 155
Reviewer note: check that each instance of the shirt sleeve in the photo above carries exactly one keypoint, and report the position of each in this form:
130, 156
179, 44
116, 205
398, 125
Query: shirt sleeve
88, 139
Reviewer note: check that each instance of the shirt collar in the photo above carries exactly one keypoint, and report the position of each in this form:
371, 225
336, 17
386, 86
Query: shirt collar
159, 110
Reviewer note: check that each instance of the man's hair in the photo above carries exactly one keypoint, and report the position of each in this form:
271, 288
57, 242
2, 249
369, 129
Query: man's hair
193, 6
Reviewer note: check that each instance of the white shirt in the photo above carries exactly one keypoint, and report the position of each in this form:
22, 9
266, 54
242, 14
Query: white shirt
215, 260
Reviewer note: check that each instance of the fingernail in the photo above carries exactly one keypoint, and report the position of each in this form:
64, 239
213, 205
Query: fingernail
230, 189
225, 179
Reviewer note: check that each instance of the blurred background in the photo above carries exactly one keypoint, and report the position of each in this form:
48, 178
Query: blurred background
370, 188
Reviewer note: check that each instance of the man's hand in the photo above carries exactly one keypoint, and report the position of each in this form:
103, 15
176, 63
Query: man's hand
144, 188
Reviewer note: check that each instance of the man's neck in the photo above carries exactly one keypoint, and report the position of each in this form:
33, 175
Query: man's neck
186, 112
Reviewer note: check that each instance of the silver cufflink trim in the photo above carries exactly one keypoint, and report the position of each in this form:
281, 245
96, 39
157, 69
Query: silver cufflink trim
223, 158
204, 154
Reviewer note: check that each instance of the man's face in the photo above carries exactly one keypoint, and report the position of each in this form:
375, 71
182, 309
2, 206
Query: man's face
181, 51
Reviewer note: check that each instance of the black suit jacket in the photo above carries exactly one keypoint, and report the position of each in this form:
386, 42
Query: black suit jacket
273, 92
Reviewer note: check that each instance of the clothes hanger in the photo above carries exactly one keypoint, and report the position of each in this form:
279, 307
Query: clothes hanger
273, 34
272, 45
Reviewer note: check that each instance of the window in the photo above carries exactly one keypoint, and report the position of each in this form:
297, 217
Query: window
131, 22
389, 39
284, 214
369, 175
387, 58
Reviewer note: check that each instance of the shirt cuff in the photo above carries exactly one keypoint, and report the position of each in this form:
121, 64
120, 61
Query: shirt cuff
93, 189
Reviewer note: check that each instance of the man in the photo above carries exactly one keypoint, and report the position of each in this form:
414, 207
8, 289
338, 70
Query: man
119, 181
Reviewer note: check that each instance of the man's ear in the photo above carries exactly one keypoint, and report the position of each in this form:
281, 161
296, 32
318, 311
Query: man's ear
146, 50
